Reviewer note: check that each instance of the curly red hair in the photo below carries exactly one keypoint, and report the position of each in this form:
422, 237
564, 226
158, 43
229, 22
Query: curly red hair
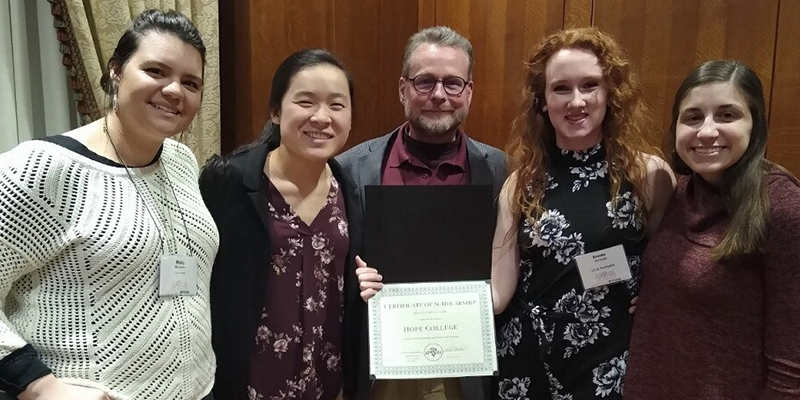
532, 130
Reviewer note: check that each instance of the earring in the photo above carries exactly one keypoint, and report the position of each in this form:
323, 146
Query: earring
544, 108
114, 82
187, 131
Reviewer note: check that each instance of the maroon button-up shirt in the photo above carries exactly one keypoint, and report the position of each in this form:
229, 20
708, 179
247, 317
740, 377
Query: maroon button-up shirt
404, 168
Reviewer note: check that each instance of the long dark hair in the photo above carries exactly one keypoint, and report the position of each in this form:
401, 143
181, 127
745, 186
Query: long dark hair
743, 183
171, 22
280, 85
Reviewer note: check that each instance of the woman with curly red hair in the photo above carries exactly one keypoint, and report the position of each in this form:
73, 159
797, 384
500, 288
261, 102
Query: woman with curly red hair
573, 220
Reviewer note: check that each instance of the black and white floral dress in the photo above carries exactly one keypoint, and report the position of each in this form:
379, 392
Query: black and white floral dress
556, 340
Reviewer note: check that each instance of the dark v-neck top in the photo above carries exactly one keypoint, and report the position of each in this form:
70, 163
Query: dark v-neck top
297, 349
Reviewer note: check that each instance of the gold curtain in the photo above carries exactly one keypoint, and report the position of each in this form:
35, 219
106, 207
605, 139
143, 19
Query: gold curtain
89, 31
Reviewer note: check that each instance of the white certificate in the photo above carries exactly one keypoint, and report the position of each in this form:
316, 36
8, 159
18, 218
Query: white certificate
432, 330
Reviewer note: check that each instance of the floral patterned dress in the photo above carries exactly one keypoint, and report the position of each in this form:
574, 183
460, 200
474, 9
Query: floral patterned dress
297, 352
557, 340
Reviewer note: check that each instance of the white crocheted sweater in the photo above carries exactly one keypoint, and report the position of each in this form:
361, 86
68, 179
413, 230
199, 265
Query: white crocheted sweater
79, 257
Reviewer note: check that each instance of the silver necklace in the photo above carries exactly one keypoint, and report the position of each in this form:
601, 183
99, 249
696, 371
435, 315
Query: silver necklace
144, 201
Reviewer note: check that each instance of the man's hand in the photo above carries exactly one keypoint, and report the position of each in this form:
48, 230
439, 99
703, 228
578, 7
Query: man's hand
49, 387
369, 280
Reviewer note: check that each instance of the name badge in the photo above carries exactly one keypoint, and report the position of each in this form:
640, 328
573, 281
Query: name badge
177, 276
603, 267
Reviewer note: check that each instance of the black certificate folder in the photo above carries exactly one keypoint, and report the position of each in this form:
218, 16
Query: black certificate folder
429, 233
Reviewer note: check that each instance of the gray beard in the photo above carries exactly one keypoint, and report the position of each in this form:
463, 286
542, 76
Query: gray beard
437, 129
425, 129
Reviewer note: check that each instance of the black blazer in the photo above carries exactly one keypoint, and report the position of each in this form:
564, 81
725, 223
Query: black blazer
233, 192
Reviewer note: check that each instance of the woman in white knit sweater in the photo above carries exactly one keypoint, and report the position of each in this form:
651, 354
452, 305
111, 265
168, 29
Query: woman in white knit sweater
106, 246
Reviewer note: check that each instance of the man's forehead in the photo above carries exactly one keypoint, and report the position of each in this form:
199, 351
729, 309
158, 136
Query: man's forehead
429, 57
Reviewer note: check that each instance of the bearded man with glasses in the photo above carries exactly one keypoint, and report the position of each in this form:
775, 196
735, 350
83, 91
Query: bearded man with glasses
428, 149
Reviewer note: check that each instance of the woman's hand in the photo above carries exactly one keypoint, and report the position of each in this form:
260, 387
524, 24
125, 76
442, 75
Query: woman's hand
369, 280
49, 387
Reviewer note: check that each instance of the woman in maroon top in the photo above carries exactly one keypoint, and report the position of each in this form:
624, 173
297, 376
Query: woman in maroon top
281, 294
719, 308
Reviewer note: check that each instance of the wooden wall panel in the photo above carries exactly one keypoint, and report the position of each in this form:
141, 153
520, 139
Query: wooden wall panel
666, 39
502, 33
368, 36
399, 20
356, 42
276, 35
235, 75
784, 141
578, 13
426, 13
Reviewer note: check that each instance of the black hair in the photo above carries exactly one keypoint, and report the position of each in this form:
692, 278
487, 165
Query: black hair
218, 167
286, 71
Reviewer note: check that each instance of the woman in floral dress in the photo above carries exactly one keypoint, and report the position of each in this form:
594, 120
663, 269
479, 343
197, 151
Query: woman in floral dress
581, 183
282, 289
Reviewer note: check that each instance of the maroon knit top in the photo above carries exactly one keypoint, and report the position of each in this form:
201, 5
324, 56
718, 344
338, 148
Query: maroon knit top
718, 330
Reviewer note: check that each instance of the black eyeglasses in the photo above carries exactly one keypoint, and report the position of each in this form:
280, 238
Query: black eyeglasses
452, 85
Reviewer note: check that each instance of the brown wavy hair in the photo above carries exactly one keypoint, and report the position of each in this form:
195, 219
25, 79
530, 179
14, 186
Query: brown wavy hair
744, 184
532, 131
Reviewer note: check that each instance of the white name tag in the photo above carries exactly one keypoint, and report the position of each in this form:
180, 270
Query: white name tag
603, 267
177, 276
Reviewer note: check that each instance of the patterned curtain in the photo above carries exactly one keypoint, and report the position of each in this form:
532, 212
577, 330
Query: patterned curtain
89, 30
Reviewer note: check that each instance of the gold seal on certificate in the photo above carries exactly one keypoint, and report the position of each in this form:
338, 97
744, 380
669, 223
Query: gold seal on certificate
432, 330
